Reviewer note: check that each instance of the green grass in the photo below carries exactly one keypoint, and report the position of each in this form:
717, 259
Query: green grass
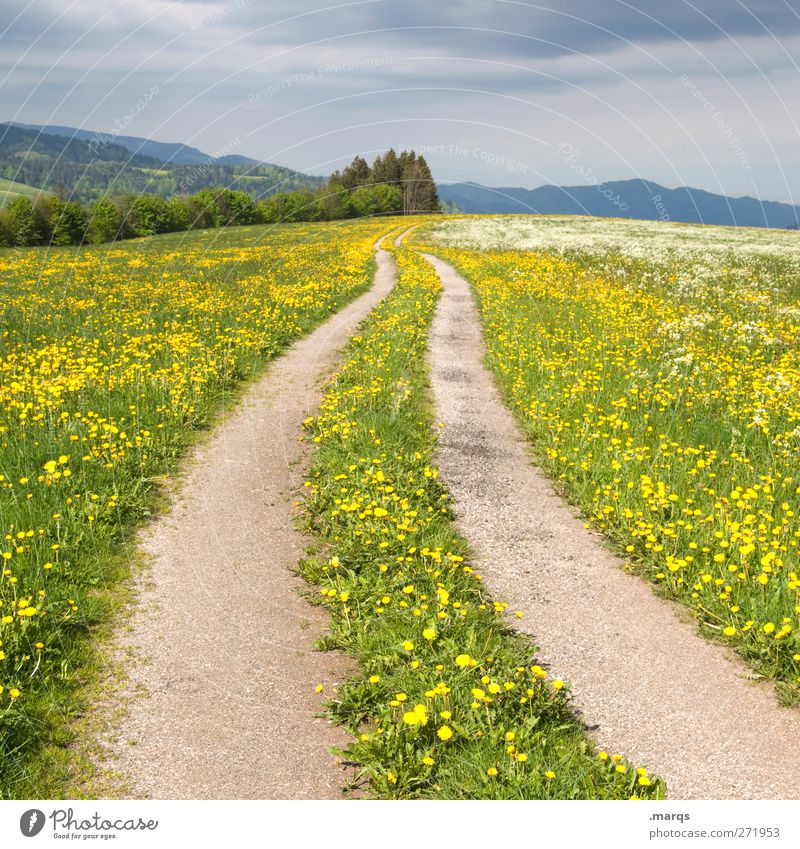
664, 400
448, 701
9, 189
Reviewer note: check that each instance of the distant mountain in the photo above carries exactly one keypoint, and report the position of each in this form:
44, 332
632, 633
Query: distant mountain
175, 153
15, 139
91, 165
237, 159
624, 199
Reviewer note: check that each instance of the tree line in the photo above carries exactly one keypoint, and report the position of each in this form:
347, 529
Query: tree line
393, 185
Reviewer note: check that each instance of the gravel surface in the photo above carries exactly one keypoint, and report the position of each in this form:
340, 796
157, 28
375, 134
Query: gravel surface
227, 663
647, 683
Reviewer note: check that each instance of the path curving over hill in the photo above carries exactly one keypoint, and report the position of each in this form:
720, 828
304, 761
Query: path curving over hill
647, 683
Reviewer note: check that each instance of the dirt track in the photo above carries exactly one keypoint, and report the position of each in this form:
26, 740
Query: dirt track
228, 667
646, 682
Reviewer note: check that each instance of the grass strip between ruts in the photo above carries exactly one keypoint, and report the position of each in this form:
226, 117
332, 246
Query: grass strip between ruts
448, 701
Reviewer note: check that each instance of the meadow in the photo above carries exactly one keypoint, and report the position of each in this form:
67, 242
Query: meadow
10, 189
112, 359
655, 370
448, 700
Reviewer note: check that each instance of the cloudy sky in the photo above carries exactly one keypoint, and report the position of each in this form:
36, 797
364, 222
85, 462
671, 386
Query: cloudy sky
503, 92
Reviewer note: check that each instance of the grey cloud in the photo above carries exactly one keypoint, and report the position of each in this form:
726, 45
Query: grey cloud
570, 25
516, 26
535, 57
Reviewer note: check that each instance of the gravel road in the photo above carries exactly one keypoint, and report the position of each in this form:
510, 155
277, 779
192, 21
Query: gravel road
227, 666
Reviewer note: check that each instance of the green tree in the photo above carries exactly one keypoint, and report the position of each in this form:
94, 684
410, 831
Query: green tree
21, 223
6, 239
306, 205
178, 211
334, 202
376, 200
356, 174
288, 207
235, 207
104, 221
429, 197
387, 169
364, 201
419, 188
244, 208
405, 160
389, 198
203, 210
67, 221
127, 218
42, 218
149, 215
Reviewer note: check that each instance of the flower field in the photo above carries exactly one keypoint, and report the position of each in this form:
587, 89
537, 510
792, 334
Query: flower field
656, 370
653, 367
448, 702
110, 359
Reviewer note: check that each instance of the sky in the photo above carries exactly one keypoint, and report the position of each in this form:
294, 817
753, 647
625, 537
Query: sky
501, 92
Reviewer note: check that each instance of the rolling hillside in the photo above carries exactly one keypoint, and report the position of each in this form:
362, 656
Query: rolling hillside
92, 165
174, 153
9, 189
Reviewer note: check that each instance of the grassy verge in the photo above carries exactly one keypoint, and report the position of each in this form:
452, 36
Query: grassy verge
112, 360
449, 702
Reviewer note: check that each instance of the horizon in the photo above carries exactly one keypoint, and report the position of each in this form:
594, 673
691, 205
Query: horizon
453, 182
681, 95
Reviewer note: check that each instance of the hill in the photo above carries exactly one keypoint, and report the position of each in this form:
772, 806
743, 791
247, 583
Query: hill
172, 152
92, 165
624, 199
9, 189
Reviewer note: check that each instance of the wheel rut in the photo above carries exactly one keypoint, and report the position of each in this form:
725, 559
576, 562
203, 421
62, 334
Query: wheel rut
226, 643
